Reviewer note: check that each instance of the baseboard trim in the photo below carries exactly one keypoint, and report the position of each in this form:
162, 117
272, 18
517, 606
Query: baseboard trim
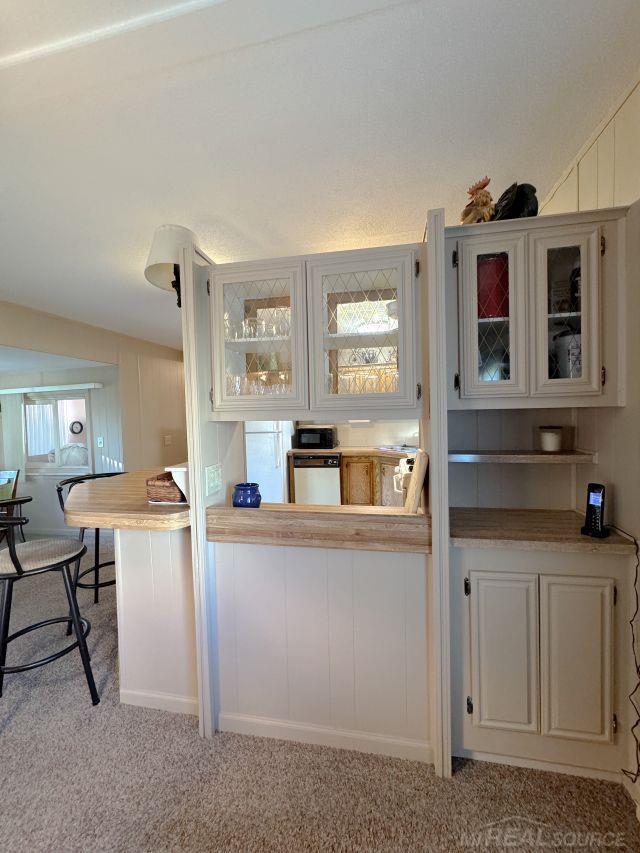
397, 747
534, 764
160, 701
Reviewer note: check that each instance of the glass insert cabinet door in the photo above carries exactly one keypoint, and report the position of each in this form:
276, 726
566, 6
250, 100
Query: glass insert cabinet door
494, 316
259, 337
565, 266
362, 316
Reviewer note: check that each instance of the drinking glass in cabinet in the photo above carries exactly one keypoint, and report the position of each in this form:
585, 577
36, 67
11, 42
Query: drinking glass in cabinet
564, 312
492, 295
257, 337
360, 311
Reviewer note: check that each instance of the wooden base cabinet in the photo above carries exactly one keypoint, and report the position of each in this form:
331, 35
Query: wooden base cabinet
534, 641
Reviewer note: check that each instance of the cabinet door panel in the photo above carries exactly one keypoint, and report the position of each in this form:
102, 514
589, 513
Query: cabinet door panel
361, 330
493, 324
576, 651
504, 650
259, 337
357, 480
564, 274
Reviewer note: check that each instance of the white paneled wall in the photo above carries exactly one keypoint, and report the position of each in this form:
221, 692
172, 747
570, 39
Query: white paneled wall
524, 486
326, 646
607, 172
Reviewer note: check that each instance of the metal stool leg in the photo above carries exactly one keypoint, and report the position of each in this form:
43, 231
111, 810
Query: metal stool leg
96, 551
77, 626
76, 572
5, 615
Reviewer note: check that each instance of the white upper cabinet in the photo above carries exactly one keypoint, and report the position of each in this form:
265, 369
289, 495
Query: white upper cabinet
361, 330
565, 307
493, 316
525, 301
330, 333
259, 336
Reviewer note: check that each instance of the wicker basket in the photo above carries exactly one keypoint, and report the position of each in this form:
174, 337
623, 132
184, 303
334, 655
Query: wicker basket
162, 489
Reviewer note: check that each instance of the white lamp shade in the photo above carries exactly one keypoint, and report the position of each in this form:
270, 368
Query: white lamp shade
164, 253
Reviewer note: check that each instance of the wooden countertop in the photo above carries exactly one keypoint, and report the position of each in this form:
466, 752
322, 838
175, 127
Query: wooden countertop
121, 503
355, 451
365, 528
529, 530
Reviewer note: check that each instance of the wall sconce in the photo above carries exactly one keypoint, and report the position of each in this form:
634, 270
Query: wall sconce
163, 263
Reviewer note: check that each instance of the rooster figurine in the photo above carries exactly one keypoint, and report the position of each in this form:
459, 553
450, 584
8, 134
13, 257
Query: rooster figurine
480, 207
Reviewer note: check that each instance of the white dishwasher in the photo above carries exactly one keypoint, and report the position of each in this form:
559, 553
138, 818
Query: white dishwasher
316, 478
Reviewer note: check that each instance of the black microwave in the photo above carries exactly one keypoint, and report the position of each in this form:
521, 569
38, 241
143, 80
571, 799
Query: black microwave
315, 438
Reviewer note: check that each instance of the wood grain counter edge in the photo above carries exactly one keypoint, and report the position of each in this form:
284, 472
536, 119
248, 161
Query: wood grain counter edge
356, 528
120, 503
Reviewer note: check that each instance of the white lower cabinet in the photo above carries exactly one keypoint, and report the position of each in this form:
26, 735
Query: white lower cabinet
576, 657
504, 650
532, 644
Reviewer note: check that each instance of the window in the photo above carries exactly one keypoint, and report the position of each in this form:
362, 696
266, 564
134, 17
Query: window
55, 433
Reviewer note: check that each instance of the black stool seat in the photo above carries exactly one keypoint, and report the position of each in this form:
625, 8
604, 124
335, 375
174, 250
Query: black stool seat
41, 554
96, 584
19, 562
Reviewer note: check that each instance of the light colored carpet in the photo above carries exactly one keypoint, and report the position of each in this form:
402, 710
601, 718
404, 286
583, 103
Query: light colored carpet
118, 778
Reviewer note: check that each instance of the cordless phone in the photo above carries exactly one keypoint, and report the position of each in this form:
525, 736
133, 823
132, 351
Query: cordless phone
594, 519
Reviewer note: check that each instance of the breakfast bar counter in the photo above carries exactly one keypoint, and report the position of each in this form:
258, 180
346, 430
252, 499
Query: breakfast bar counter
120, 503
154, 588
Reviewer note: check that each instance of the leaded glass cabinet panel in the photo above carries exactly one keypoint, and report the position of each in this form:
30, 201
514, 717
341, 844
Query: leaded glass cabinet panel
564, 280
493, 316
259, 337
362, 314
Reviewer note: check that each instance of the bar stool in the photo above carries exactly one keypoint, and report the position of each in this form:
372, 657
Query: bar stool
18, 562
97, 584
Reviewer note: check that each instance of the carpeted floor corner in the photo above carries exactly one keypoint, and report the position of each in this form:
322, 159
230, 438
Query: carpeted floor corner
119, 778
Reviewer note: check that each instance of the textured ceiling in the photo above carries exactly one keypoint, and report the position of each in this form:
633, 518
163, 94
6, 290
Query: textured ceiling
274, 127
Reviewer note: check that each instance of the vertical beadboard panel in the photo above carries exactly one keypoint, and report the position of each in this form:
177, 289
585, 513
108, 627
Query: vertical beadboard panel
416, 640
156, 618
335, 639
226, 624
341, 637
307, 614
606, 161
380, 637
588, 179
261, 631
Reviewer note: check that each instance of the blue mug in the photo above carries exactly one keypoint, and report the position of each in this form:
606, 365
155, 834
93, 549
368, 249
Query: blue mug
246, 495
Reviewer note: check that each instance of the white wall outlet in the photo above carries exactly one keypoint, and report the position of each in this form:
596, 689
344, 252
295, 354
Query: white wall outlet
100, 441
213, 476
168, 440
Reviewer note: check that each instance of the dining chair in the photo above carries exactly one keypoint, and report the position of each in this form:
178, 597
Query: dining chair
9, 491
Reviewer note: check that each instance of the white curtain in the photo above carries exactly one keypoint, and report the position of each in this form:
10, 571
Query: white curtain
40, 425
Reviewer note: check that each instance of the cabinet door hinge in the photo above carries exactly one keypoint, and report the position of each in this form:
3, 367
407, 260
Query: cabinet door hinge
603, 376
211, 396
454, 258
467, 586
419, 391
614, 724
615, 595
209, 286
469, 705
603, 245
417, 268
456, 381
